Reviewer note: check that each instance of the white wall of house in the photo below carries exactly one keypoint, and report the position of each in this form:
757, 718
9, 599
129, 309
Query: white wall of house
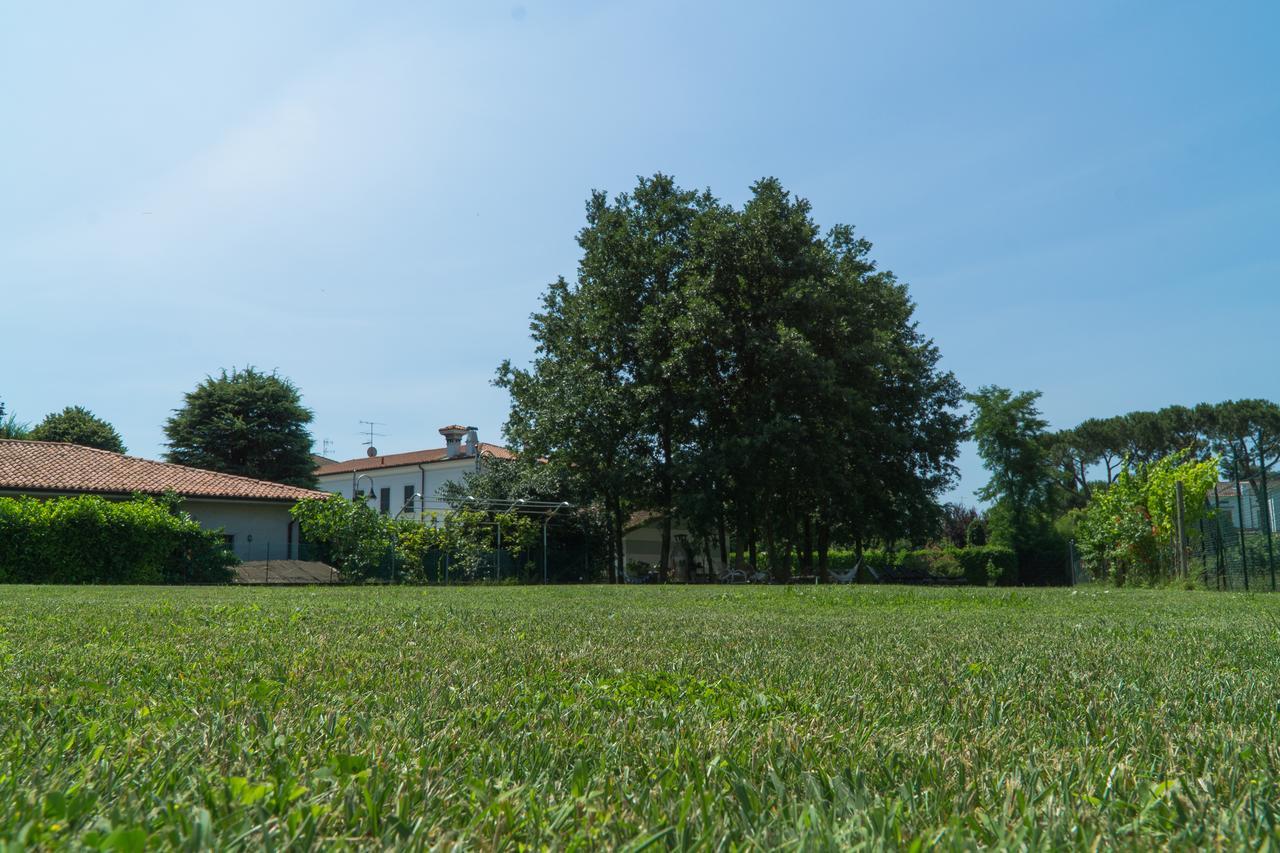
274, 534
400, 481
1253, 519
644, 545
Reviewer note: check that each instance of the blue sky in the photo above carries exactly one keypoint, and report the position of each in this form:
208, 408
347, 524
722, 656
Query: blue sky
1084, 197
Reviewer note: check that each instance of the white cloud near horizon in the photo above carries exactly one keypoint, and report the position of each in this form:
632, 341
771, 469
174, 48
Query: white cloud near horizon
332, 137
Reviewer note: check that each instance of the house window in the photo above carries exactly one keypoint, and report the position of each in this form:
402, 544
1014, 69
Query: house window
384, 500
229, 540
407, 506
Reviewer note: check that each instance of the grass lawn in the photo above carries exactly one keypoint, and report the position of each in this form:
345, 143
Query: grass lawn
597, 717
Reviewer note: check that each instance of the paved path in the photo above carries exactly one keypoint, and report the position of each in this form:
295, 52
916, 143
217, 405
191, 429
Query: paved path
285, 572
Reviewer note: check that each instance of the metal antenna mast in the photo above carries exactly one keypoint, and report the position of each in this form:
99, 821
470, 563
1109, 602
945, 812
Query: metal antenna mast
373, 451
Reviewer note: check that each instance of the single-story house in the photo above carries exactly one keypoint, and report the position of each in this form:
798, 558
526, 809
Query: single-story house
252, 514
642, 545
408, 484
1224, 499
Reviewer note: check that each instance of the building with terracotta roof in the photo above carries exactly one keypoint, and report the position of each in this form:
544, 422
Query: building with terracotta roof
252, 514
408, 484
1230, 504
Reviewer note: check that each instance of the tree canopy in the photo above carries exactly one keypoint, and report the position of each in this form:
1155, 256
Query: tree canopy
1013, 442
244, 422
10, 426
739, 370
78, 425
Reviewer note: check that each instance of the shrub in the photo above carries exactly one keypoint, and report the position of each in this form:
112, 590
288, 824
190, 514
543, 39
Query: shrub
988, 565
978, 565
348, 535
363, 544
89, 539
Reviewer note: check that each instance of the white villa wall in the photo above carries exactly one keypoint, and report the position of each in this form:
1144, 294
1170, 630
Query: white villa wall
1252, 509
268, 524
644, 545
397, 478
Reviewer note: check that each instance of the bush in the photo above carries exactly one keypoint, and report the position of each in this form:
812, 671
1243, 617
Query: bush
978, 565
363, 544
348, 535
88, 539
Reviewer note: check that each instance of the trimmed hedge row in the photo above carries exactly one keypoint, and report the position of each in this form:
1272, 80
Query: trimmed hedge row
981, 565
88, 539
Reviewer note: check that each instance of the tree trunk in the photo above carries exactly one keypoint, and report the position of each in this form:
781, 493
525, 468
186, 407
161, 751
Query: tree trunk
770, 550
724, 541
611, 561
824, 556
740, 539
619, 565
806, 546
664, 562
664, 570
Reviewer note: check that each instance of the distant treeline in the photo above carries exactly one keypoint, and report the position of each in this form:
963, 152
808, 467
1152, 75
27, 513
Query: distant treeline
1245, 433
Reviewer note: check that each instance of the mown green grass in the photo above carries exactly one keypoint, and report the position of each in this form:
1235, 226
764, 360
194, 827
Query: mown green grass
601, 717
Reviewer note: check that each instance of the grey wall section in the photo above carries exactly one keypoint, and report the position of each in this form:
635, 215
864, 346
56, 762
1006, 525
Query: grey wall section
267, 523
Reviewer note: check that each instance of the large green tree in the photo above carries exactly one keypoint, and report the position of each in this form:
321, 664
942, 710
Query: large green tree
244, 422
603, 397
739, 370
78, 425
1013, 442
10, 426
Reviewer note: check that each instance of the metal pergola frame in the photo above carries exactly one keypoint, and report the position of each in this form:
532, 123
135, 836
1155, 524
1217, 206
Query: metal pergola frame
546, 509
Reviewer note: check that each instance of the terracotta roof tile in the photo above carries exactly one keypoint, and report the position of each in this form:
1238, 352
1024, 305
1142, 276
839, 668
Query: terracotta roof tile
415, 457
51, 466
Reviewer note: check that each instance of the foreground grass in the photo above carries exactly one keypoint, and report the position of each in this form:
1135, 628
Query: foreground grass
600, 717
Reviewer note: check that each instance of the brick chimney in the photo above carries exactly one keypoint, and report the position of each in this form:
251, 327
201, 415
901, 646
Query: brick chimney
453, 440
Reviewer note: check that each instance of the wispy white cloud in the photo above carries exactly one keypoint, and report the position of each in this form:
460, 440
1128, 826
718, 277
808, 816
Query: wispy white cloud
335, 135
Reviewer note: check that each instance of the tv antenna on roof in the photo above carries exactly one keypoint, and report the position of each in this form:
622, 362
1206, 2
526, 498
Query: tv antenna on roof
372, 451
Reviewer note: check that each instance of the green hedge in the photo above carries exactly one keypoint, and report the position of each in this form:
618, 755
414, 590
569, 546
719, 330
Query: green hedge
979, 565
89, 539
948, 563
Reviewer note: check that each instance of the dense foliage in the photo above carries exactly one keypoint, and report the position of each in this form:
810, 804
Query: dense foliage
365, 544
10, 426
1244, 433
1024, 487
78, 425
244, 422
88, 539
1127, 532
741, 371
876, 718
989, 565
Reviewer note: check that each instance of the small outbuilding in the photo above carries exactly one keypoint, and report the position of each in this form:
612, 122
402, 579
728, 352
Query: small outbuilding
252, 514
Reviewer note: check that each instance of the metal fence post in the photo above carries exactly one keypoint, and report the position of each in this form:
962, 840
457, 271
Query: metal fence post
1244, 555
1219, 541
1266, 511
1180, 518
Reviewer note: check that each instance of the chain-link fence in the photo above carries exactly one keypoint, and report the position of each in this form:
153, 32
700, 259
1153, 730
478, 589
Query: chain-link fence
1235, 546
560, 562
1233, 543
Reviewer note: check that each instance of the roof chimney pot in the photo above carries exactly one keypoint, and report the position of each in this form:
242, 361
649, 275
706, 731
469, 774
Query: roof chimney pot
453, 440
